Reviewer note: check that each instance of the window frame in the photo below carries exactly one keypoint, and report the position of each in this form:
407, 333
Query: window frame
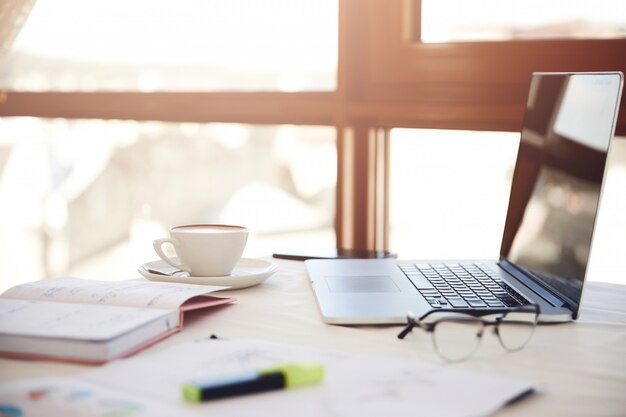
385, 79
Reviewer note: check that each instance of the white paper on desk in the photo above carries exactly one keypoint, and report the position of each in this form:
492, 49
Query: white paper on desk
354, 385
71, 397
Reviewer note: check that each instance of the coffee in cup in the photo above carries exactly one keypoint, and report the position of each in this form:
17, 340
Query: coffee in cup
204, 250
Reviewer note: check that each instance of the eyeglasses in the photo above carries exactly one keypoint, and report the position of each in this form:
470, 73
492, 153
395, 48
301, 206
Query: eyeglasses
456, 336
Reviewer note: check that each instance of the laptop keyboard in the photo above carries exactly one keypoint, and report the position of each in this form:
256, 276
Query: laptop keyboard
461, 286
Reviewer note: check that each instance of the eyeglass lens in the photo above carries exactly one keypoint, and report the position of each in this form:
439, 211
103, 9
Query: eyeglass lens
515, 329
456, 339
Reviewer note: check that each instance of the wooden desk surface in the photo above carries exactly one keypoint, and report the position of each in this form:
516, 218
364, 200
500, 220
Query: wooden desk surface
580, 367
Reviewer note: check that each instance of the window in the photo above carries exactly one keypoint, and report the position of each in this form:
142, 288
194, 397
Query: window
361, 68
146, 114
400, 81
88, 197
213, 45
449, 191
498, 20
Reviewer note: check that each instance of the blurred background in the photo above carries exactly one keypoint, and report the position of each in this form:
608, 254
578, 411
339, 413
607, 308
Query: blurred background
87, 197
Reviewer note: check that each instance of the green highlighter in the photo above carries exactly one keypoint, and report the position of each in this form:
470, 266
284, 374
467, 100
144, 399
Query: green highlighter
288, 375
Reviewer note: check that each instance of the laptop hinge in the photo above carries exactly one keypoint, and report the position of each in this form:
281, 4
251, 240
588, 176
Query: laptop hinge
530, 282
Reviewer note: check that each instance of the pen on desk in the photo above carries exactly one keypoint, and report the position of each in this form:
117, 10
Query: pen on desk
285, 376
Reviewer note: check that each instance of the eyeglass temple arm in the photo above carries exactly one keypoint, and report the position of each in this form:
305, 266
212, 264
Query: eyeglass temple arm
407, 329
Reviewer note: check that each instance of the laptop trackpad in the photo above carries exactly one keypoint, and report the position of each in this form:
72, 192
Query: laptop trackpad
362, 283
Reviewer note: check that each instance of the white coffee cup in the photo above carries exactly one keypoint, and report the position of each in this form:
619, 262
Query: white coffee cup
204, 250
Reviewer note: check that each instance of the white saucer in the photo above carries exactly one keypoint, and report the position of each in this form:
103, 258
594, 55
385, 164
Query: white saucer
247, 273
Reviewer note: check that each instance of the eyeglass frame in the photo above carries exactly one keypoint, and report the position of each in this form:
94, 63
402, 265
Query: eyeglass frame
477, 314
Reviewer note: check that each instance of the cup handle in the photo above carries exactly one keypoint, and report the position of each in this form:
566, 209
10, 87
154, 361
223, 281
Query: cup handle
158, 244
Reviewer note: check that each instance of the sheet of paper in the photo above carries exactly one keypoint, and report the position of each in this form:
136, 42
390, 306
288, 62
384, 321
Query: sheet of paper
129, 293
355, 385
75, 321
76, 398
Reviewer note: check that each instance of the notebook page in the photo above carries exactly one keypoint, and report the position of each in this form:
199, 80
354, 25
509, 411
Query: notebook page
44, 319
124, 293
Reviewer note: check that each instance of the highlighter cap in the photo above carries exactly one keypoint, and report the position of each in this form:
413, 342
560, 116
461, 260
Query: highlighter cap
298, 374
192, 393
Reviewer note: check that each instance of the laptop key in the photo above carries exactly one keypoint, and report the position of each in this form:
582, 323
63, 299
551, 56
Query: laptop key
421, 283
457, 302
494, 303
476, 303
449, 293
509, 301
429, 294
407, 266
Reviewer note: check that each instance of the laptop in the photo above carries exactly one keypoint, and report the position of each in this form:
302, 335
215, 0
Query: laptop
568, 125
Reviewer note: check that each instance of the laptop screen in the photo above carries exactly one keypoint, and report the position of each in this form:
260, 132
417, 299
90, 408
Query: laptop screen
568, 125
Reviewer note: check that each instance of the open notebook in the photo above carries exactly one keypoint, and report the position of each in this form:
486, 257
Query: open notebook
89, 321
